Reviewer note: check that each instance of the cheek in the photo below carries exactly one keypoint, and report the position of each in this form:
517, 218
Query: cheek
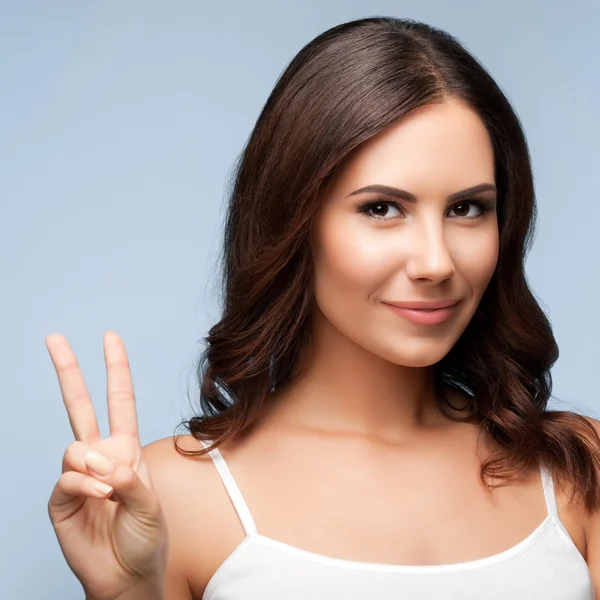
348, 271
476, 261
348, 262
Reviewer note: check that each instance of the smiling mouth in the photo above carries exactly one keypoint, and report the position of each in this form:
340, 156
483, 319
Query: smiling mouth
425, 316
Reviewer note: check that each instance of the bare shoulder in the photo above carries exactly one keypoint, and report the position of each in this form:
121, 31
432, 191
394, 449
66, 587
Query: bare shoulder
201, 526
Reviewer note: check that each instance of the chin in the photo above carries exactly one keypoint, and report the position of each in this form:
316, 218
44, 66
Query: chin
417, 362
414, 354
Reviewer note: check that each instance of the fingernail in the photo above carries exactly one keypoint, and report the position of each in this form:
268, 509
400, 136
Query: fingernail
102, 488
98, 463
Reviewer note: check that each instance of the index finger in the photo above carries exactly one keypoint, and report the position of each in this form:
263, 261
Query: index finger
76, 397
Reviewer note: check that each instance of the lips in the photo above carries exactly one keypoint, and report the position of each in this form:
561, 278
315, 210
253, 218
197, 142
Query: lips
422, 316
424, 305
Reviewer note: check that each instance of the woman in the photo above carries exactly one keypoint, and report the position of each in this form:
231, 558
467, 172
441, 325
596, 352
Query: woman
374, 396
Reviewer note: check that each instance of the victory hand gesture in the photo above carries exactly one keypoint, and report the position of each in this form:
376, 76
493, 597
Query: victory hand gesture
106, 516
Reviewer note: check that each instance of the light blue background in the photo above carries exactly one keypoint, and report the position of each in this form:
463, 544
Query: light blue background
119, 125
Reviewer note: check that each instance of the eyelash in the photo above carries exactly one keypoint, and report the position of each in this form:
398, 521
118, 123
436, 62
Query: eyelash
483, 205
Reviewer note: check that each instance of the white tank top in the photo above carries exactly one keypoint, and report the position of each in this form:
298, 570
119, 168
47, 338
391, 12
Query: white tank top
546, 565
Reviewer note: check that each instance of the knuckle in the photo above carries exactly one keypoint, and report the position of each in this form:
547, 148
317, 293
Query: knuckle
122, 395
73, 456
65, 481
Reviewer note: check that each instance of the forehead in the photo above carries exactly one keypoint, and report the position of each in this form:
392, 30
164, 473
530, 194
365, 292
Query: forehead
439, 148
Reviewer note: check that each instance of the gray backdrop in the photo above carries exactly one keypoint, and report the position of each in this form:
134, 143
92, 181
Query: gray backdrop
119, 124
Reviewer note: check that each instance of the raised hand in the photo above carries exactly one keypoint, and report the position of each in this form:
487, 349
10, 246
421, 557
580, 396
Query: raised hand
109, 525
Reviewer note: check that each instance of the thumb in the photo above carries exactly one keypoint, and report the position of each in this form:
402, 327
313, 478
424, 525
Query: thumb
129, 490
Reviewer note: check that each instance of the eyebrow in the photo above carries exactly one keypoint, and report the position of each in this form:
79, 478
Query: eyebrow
392, 191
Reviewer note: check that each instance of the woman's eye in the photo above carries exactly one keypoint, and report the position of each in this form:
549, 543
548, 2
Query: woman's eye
465, 212
380, 210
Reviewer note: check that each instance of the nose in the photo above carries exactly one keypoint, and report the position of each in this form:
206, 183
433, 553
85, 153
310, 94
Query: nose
430, 257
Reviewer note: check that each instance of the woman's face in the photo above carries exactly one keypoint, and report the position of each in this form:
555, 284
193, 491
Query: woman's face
397, 250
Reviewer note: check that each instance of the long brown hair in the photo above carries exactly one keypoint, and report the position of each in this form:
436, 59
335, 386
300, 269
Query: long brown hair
341, 89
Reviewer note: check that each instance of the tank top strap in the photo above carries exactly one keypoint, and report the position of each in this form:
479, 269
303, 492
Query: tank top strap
233, 490
549, 494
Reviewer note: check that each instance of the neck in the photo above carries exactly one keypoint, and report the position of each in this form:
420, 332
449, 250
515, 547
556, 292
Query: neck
340, 387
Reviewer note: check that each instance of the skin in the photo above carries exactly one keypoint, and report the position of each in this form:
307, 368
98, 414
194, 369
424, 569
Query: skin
363, 404
355, 443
